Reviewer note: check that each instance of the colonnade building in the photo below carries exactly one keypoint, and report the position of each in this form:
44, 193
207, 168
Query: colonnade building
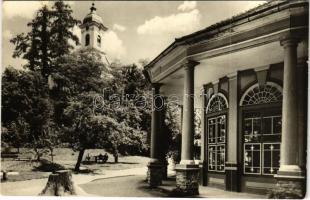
248, 75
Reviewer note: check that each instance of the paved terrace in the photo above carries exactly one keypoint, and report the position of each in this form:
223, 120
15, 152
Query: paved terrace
124, 183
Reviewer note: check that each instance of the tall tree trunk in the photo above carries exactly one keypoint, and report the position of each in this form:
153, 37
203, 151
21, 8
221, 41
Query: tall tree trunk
79, 160
52, 154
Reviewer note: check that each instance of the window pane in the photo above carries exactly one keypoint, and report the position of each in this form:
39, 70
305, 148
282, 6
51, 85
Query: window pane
252, 158
211, 130
277, 125
267, 125
221, 128
256, 127
247, 129
271, 158
212, 158
220, 158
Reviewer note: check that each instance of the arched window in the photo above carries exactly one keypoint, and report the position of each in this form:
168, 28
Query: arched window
218, 102
87, 40
256, 94
216, 132
99, 40
261, 129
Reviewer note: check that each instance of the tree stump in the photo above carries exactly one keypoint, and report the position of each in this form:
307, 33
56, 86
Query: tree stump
59, 184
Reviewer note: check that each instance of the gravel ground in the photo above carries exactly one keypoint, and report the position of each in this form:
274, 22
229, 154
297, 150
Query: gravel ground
126, 186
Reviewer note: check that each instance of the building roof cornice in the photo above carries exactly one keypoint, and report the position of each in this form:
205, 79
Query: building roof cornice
248, 16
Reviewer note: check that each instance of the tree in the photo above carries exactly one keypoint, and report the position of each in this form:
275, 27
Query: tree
172, 128
26, 110
61, 29
83, 132
17, 133
51, 31
77, 80
34, 46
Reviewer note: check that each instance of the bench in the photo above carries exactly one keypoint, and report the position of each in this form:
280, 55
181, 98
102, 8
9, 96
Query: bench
101, 158
9, 155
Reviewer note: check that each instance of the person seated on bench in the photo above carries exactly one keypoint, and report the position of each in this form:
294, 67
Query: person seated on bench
105, 158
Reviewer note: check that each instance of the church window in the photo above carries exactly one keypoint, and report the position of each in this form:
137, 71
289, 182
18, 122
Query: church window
87, 40
99, 40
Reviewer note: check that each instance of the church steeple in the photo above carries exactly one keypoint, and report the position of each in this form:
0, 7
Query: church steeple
92, 29
93, 8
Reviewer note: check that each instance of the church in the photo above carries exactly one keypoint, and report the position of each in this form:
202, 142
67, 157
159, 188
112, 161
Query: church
248, 77
93, 31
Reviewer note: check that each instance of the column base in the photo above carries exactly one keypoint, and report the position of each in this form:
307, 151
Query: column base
290, 184
203, 173
165, 170
187, 178
232, 178
155, 174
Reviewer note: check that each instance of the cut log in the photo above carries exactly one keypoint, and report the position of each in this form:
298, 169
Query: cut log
59, 184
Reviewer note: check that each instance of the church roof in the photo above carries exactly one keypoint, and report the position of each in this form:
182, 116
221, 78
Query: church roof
93, 18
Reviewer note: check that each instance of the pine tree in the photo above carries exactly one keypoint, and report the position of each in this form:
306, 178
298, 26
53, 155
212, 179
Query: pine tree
33, 46
61, 29
48, 39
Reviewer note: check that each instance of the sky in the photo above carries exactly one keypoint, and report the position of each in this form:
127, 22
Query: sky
137, 29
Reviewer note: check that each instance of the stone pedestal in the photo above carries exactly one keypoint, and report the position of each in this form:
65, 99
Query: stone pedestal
289, 187
165, 170
187, 179
203, 173
155, 174
232, 181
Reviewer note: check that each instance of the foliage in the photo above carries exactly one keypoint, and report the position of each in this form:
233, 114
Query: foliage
133, 112
25, 102
76, 73
173, 130
51, 30
61, 29
47, 166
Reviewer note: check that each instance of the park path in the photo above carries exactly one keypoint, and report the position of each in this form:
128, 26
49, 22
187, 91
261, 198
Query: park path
35, 186
118, 183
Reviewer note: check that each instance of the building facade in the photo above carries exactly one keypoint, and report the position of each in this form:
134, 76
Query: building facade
248, 77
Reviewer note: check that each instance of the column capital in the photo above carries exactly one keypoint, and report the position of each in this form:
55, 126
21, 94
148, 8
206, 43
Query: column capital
187, 64
289, 41
156, 86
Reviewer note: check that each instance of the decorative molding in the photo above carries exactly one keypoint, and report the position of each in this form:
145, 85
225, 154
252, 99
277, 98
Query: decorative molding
261, 77
232, 76
262, 68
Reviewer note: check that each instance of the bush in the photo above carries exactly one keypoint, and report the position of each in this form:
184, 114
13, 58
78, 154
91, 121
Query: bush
48, 166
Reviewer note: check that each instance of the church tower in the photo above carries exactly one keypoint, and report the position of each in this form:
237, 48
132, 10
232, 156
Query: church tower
92, 30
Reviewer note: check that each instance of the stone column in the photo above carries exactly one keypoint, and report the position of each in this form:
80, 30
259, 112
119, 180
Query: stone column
155, 166
164, 140
290, 174
187, 171
231, 167
203, 162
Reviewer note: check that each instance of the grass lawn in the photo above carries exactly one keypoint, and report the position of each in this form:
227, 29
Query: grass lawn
67, 158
